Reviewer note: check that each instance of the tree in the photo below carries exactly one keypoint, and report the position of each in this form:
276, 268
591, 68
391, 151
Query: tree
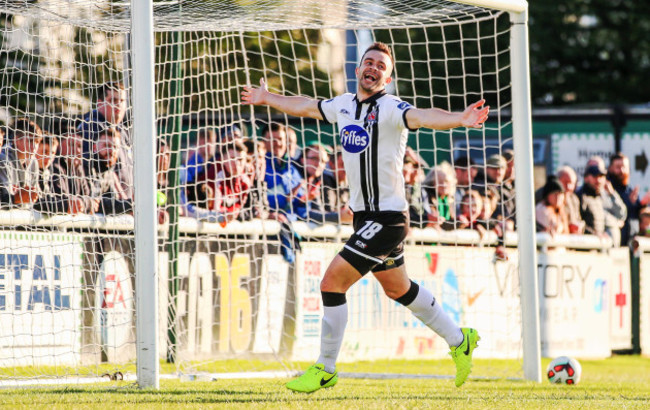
589, 51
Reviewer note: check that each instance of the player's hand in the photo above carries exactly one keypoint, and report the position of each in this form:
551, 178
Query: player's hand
475, 115
254, 96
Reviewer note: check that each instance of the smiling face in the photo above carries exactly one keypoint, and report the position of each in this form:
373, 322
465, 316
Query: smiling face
373, 73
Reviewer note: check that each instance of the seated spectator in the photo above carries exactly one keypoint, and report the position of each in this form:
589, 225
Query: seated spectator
615, 210
70, 162
644, 222
592, 209
471, 207
102, 171
53, 184
205, 151
618, 174
495, 172
509, 177
567, 177
18, 169
415, 194
256, 205
465, 170
230, 134
440, 187
197, 198
228, 179
163, 164
549, 213
315, 157
335, 183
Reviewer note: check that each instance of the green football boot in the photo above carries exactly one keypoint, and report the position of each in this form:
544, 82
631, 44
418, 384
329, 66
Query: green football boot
462, 354
313, 379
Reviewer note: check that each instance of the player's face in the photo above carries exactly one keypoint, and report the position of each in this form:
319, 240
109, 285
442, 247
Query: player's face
374, 72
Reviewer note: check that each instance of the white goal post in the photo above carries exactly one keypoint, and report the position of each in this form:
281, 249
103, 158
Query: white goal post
154, 245
142, 29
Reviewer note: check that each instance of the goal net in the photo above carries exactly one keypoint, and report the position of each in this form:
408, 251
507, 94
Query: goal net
240, 260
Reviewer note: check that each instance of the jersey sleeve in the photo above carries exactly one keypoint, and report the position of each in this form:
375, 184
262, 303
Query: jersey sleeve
328, 109
398, 113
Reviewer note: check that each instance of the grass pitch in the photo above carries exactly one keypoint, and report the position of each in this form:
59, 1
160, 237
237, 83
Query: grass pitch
619, 382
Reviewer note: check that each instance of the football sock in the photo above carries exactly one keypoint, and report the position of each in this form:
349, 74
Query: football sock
426, 308
335, 318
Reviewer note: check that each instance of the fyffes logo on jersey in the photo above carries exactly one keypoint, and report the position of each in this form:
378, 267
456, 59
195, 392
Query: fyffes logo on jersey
354, 139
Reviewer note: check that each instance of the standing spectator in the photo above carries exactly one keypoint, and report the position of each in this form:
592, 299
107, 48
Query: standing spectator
618, 174
18, 169
592, 209
567, 177
335, 183
102, 171
110, 112
287, 194
549, 212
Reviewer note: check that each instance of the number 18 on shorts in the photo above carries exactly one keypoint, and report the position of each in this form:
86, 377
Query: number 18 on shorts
377, 243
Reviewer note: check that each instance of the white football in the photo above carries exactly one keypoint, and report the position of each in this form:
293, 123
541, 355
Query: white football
564, 370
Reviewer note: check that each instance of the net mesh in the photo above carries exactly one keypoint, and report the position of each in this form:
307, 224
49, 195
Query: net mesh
239, 276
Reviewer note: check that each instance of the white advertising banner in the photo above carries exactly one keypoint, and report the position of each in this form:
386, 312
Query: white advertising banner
40, 299
574, 304
272, 300
473, 289
620, 296
644, 303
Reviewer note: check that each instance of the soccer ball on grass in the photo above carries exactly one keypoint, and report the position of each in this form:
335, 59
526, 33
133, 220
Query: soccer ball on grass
564, 370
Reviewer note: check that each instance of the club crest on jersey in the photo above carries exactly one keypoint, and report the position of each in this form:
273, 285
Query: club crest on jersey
354, 139
372, 116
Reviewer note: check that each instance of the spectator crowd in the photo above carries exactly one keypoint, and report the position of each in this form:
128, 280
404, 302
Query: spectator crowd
226, 176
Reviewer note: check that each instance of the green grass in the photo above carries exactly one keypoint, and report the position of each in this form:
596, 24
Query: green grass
619, 382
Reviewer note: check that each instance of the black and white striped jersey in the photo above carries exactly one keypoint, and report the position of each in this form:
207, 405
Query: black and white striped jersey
373, 134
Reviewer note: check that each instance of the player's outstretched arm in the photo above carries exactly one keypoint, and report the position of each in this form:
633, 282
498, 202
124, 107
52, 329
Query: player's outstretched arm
297, 106
472, 117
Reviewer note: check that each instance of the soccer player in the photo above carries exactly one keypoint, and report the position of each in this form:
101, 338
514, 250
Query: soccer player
373, 129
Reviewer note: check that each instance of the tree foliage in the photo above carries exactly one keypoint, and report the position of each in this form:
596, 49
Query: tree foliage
589, 51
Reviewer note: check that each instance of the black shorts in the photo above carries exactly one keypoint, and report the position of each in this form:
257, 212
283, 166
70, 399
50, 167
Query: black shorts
378, 241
